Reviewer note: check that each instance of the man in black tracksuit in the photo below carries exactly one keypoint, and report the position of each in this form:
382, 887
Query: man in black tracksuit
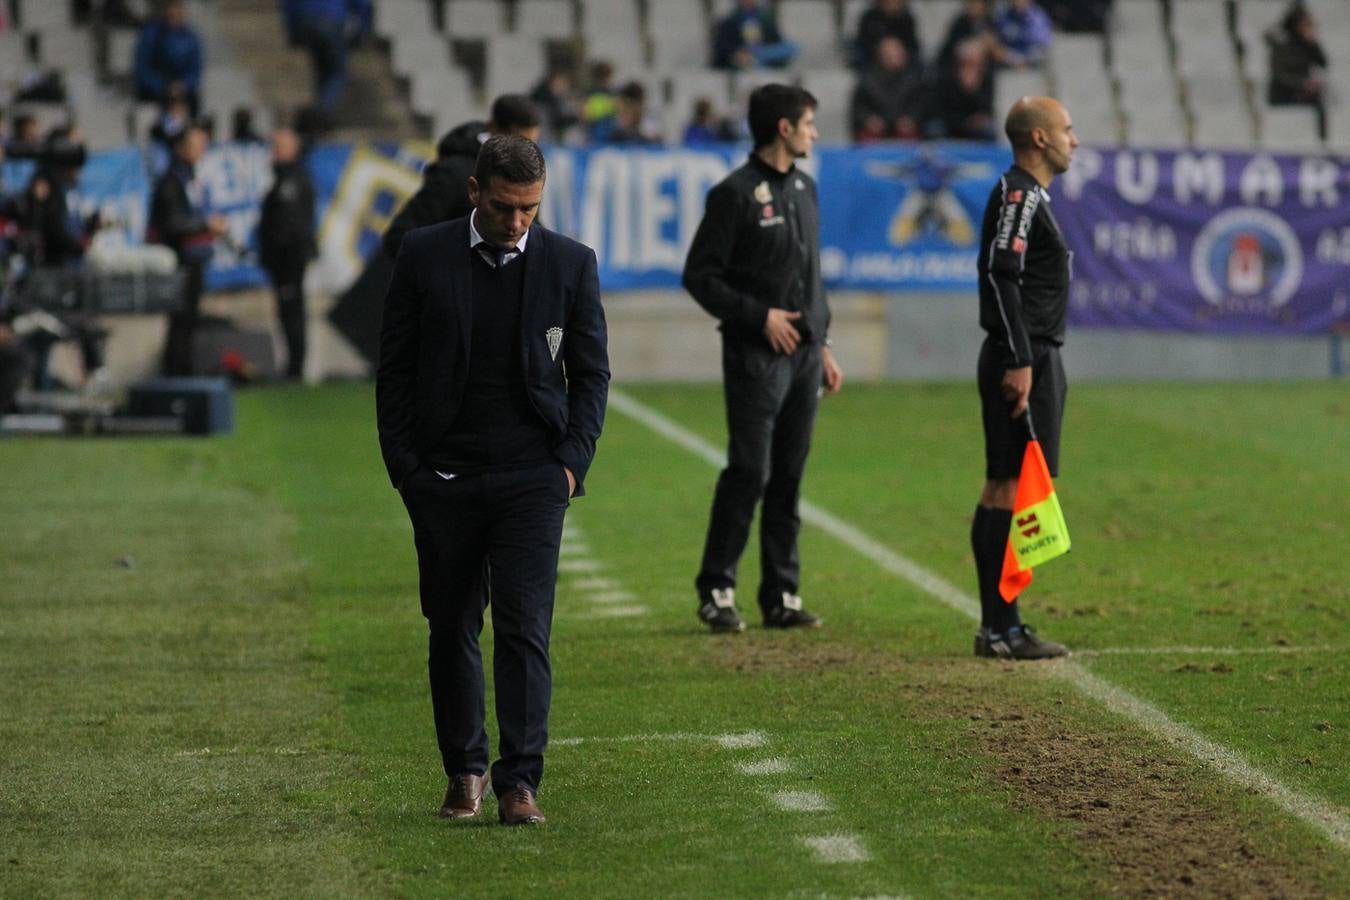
1025, 267
444, 194
286, 242
755, 265
176, 222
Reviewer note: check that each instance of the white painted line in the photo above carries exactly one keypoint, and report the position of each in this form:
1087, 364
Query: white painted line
741, 741
837, 848
578, 565
669, 737
1325, 817
595, 584
577, 549
613, 597
1207, 651
800, 801
617, 612
773, 766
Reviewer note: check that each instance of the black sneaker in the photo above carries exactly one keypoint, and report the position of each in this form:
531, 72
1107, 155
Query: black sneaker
718, 611
1018, 643
790, 614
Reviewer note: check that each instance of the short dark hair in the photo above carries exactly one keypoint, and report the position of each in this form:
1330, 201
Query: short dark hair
514, 112
772, 102
512, 157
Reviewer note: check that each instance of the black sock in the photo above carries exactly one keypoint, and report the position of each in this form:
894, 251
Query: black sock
989, 541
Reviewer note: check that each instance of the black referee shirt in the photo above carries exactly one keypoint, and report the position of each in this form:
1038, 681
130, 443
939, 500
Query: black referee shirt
1025, 268
758, 247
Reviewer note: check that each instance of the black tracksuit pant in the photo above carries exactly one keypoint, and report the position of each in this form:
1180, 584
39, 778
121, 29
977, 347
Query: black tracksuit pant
771, 403
289, 284
490, 537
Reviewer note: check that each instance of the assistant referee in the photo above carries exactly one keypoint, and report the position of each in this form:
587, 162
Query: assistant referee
1025, 267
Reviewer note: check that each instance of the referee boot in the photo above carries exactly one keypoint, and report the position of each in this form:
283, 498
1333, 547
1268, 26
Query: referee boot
1019, 642
717, 610
789, 614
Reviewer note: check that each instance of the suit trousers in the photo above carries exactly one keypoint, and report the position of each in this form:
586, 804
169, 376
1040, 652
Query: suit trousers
771, 401
483, 539
288, 282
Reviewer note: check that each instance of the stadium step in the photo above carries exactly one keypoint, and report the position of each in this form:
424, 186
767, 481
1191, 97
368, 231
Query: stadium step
373, 107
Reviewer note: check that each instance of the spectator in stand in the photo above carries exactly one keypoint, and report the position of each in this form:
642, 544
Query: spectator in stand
286, 242
630, 111
169, 58
1025, 32
749, 38
888, 102
1079, 16
1297, 64
706, 126
176, 222
597, 112
963, 103
974, 22
326, 28
556, 97
26, 131
886, 18
241, 127
444, 194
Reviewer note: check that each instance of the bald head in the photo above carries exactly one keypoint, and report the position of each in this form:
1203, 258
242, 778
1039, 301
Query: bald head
1028, 114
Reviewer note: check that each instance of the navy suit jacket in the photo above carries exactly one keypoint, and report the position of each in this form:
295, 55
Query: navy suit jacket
425, 339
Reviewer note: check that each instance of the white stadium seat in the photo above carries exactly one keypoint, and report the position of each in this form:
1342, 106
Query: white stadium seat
546, 19
611, 17
419, 50
513, 64
1291, 129
474, 19
402, 17
813, 26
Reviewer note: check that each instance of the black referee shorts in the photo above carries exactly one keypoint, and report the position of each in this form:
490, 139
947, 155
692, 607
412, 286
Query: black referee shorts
1005, 438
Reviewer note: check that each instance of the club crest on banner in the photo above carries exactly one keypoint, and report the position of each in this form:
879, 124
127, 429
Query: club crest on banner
1247, 260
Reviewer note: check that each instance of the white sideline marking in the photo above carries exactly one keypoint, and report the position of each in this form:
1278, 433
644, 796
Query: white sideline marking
617, 612
1205, 651
613, 597
578, 565
577, 549
740, 741
1325, 817
800, 801
595, 584
669, 737
837, 848
773, 766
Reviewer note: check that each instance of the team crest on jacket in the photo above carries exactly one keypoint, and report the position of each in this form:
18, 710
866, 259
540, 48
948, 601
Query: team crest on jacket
762, 192
554, 336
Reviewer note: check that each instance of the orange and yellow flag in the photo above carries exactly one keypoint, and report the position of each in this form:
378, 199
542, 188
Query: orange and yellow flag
1038, 533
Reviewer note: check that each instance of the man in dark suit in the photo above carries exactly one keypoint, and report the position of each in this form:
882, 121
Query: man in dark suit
490, 395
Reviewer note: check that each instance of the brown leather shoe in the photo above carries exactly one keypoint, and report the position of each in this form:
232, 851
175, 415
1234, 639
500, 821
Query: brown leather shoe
464, 796
516, 807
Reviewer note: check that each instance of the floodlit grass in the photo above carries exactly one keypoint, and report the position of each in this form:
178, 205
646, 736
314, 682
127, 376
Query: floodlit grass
269, 615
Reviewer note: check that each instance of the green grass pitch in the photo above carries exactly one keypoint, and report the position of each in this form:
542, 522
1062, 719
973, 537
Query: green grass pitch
212, 666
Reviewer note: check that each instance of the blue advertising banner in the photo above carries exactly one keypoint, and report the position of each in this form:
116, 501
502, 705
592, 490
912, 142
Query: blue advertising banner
1221, 243
1192, 241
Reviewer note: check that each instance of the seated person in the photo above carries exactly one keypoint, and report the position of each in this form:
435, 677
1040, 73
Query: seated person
1025, 31
169, 58
628, 125
963, 103
886, 18
1297, 62
974, 22
706, 126
749, 38
888, 102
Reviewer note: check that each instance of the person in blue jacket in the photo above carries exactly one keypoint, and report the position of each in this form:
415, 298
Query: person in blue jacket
169, 58
326, 28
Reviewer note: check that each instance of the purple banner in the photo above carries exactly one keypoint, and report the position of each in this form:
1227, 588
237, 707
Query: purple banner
1223, 243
